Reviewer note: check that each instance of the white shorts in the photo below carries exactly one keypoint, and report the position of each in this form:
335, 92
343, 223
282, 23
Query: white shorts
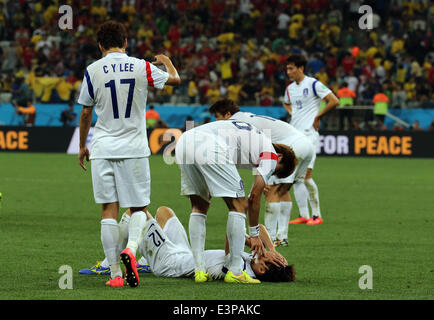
127, 181
304, 152
313, 138
167, 250
213, 180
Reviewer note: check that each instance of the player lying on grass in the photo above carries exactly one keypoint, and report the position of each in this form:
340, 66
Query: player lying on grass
165, 246
278, 201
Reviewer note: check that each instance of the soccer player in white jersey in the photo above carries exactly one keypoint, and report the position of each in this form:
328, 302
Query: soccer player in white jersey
302, 100
116, 86
165, 245
208, 157
278, 201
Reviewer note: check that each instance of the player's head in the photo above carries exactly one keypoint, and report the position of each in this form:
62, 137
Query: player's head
295, 66
287, 161
111, 34
274, 274
224, 109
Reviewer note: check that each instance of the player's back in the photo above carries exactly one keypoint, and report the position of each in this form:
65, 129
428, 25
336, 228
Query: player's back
278, 130
117, 85
224, 141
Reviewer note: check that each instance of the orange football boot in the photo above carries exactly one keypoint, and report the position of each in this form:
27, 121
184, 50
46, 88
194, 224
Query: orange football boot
312, 221
116, 282
131, 274
298, 220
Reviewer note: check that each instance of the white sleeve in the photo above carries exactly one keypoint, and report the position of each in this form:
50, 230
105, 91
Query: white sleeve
321, 90
155, 76
286, 98
86, 97
266, 167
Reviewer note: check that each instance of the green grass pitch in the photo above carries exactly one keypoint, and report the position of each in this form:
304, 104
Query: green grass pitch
378, 212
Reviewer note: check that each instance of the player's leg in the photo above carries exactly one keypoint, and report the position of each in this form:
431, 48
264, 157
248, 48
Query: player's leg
163, 214
301, 197
284, 214
197, 233
194, 186
133, 188
311, 186
312, 189
272, 209
236, 231
224, 181
104, 189
110, 241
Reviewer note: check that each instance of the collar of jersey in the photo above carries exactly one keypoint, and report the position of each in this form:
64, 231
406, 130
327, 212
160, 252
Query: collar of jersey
299, 84
115, 53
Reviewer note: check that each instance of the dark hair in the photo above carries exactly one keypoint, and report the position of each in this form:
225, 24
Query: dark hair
278, 274
224, 106
111, 34
298, 60
289, 160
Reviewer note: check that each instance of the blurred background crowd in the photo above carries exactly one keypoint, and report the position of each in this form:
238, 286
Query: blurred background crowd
226, 48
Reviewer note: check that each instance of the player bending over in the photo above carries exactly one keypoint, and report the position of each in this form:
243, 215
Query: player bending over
208, 157
278, 201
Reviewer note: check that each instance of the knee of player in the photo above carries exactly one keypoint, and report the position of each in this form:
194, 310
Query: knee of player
241, 205
163, 214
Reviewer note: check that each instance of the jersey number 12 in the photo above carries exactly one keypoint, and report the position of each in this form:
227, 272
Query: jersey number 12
111, 85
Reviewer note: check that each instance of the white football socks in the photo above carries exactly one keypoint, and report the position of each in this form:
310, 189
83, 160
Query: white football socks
110, 244
135, 230
272, 213
236, 230
197, 232
301, 195
313, 197
123, 231
282, 222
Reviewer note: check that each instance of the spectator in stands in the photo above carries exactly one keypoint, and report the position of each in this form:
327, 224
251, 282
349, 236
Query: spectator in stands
68, 116
152, 117
399, 97
431, 127
230, 41
346, 99
416, 126
28, 111
381, 103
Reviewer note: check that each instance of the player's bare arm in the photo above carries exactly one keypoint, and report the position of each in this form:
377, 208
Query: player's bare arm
288, 108
254, 206
174, 79
85, 122
332, 103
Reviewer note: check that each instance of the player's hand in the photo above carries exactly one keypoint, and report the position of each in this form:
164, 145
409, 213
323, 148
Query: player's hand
267, 189
316, 123
83, 153
256, 246
160, 59
275, 258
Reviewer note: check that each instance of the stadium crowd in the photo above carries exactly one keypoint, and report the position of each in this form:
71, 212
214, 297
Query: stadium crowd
227, 48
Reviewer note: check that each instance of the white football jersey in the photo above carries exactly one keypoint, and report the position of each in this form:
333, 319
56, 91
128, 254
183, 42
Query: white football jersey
116, 85
278, 130
229, 142
305, 99
215, 260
